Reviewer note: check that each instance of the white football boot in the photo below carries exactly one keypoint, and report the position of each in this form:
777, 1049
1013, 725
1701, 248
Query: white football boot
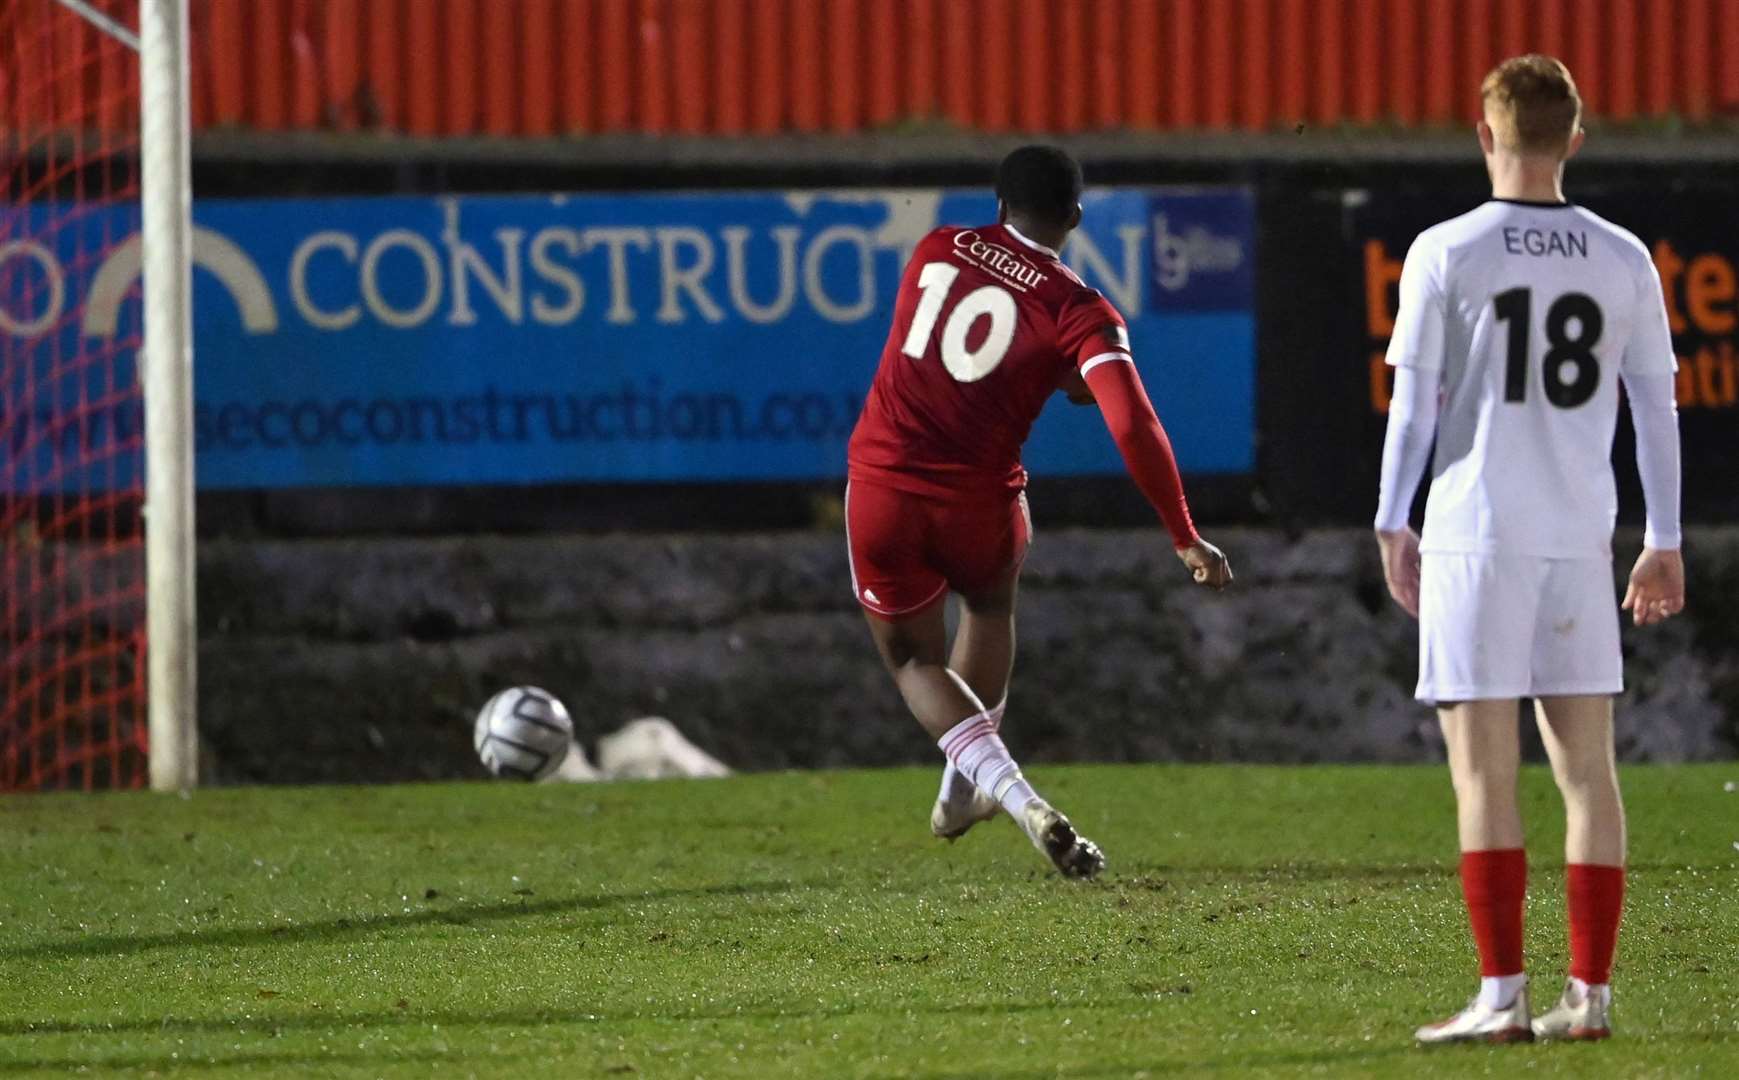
1482, 1023
1072, 854
1580, 1015
950, 818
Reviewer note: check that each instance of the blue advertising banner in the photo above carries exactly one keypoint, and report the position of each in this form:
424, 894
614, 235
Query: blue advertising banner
595, 338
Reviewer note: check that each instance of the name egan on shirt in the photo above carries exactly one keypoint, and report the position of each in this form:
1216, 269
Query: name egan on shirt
1545, 242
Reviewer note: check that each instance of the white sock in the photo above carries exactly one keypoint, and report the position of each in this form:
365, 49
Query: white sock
979, 755
1601, 992
1499, 991
956, 788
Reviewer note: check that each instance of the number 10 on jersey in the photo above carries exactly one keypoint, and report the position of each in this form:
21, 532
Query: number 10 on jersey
966, 365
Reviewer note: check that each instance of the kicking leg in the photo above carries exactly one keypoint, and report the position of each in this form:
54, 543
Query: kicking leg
983, 655
1577, 732
1484, 757
914, 649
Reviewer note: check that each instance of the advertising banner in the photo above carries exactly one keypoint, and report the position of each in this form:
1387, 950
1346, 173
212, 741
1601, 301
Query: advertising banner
494, 340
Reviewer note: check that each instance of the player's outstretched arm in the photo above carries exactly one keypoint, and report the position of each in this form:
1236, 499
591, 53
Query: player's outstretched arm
1406, 449
1657, 582
1146, 450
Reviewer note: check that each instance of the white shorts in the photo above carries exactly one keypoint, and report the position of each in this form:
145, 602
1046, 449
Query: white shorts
1514, 626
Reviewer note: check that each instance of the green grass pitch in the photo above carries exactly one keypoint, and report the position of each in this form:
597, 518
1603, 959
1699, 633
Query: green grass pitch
1254, 922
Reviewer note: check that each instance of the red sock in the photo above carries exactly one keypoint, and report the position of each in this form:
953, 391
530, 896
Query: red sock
1494, 884
1596, 896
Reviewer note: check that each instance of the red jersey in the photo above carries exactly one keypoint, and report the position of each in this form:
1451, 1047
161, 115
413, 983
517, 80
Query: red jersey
987, 325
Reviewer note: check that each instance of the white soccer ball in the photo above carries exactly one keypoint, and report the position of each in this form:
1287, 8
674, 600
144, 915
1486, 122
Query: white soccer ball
523, 733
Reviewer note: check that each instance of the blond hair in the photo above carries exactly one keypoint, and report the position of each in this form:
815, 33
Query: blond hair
1532, 104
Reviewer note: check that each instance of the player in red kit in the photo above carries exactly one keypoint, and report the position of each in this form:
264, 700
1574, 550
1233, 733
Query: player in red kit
988, 324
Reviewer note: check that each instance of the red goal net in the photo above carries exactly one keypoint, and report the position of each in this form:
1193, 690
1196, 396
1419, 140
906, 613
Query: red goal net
72, 611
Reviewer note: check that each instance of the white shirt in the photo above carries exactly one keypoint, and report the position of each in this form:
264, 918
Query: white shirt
1525, 316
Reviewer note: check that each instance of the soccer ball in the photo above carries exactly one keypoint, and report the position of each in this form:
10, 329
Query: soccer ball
523, 732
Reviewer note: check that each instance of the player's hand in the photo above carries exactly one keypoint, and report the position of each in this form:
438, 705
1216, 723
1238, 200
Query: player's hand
1207, 564
1400, 550
1657, 587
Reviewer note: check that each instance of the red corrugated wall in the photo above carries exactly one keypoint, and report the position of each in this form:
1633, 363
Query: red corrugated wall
537, 68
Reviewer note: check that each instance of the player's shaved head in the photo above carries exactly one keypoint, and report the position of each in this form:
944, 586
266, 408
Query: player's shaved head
1041, 184
1532, 105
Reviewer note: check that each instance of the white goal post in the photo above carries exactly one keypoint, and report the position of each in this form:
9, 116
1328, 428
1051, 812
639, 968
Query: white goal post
166, 377
166, 197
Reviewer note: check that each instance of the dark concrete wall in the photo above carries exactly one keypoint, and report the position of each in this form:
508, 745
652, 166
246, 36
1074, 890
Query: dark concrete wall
364, 659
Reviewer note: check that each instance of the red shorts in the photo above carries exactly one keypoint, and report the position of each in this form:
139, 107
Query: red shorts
907, 551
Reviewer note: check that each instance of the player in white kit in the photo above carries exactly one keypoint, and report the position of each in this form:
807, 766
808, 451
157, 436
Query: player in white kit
1518, 323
